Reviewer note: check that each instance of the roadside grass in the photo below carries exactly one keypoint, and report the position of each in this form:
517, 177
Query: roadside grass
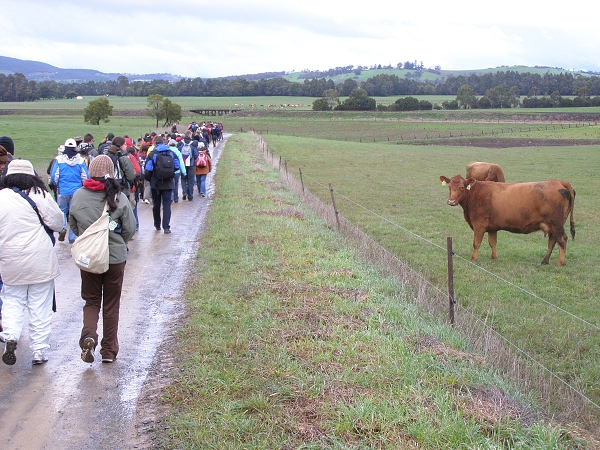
393, 194
293, 341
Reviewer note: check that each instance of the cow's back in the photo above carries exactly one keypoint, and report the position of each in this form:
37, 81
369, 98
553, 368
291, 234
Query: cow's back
484, 171
521, 207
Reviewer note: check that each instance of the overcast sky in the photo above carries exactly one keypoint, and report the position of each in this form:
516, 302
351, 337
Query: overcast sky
198, 38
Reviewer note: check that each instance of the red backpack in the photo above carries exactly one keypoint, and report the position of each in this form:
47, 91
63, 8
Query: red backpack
138, 170
202, 160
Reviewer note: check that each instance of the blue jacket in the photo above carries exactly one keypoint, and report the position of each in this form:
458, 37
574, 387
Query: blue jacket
151, 162
69, 173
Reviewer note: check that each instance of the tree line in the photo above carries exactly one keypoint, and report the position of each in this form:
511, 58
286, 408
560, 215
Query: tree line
16, 87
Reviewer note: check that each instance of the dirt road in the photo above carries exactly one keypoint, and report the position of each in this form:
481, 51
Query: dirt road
68, 404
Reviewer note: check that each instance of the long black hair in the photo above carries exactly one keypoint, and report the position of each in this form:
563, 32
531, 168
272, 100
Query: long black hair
112, 188
24, 181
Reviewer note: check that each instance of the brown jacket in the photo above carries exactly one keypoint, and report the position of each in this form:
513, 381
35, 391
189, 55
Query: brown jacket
202, 170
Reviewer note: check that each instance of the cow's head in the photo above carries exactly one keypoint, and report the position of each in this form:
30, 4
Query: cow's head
458, 187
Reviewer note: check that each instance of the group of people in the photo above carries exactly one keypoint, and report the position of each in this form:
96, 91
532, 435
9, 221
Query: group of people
85, 181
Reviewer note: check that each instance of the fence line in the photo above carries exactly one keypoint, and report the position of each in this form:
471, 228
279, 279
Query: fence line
490, 343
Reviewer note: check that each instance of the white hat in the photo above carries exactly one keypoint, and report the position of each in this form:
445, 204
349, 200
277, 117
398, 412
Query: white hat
70, 143
20, 166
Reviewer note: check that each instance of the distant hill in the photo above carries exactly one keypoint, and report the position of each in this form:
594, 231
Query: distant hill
39, 71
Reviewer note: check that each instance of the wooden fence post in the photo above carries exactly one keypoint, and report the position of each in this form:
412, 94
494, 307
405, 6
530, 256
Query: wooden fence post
451, 301
301, 180
337, 214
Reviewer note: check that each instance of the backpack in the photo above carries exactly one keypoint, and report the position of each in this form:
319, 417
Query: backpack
202, 160
164, 169
187, 148
90, 249
138, 170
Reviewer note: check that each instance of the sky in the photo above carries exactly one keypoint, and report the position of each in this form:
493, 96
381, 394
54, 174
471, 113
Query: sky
217, 38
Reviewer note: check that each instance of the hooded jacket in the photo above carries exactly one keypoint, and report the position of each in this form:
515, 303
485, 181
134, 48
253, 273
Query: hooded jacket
151, 163
69, 172
27, 255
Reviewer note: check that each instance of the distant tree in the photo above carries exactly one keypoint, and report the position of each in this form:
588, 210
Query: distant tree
332, 96
70, 94
171, 112
359, 100
484, 103
465, 97
154, 108
347, 86
97, 110
122, 83
321, 104
452, 104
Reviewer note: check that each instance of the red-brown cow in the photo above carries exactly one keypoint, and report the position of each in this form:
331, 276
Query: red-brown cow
515, 207
484, 171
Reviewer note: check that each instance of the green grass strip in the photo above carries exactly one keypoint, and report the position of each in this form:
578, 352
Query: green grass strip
294, 341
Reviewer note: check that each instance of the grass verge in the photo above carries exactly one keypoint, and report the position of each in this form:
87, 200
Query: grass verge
294, 341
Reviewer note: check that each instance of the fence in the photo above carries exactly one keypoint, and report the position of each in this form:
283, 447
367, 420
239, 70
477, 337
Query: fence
496, 349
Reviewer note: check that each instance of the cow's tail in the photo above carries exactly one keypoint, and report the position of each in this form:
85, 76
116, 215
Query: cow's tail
571, 207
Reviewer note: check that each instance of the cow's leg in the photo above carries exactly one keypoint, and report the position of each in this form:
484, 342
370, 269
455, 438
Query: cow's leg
562, 249
492, 240
477, 238
551, 243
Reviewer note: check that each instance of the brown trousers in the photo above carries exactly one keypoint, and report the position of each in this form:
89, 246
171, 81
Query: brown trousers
93, 288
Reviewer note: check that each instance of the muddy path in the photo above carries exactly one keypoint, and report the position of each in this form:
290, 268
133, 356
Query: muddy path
68, 404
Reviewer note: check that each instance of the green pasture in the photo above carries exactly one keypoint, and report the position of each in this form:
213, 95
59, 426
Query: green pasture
393, 193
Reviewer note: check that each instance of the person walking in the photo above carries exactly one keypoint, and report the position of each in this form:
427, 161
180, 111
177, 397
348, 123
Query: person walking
68, 174
28, 262
202, 169
189, 153
161, 165
182, 172
103, 291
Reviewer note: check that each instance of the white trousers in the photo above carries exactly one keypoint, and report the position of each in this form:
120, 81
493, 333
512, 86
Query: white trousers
37, 300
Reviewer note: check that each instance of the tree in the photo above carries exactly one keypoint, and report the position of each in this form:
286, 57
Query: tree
171, 112
466, 97
97, 110
332, 96
154, 108
359, 100
321, 104
123, 82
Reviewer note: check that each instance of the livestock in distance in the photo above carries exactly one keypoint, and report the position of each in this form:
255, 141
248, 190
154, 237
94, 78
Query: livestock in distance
515, 207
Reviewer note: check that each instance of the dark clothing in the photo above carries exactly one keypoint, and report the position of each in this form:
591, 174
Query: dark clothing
93, 288
164, 196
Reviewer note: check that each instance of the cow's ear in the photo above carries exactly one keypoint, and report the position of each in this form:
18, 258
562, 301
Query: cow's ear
444, 180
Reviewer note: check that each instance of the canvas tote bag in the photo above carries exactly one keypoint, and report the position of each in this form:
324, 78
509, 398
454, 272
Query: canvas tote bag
90, 249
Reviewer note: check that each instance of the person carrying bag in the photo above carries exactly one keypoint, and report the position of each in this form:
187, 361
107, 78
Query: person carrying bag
90, 249
101, 195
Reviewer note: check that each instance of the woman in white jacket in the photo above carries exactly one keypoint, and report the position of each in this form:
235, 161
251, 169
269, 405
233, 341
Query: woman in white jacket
28, 263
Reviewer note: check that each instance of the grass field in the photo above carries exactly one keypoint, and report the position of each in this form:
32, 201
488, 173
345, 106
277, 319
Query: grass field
393, 193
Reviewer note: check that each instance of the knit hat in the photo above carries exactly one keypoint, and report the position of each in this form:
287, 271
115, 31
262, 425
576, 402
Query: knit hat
3, 155
110, 135
172, 143
20, 166
102, 167
8, 144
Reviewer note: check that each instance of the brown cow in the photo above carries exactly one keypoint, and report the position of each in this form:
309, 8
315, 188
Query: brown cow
515, 207
484, 171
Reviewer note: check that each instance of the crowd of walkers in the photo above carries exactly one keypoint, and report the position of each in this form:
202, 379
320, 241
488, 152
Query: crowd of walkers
83, 182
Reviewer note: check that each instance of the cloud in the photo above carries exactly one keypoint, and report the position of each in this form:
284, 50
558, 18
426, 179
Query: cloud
234, 37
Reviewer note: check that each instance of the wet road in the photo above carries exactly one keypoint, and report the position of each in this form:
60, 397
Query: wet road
68, 404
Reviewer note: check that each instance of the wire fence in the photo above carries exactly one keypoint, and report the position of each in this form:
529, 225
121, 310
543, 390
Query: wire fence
555, 392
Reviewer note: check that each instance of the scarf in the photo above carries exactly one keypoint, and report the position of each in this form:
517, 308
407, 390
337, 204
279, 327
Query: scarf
94, 185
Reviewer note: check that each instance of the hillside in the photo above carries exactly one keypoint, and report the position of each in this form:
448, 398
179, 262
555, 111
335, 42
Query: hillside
39, 71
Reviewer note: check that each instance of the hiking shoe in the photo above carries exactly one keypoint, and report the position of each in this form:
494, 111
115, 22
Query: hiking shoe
39, 357
157, 228
167, 231
184, 197
202, 195
87, 351
9, 356
62, 234
108, 360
